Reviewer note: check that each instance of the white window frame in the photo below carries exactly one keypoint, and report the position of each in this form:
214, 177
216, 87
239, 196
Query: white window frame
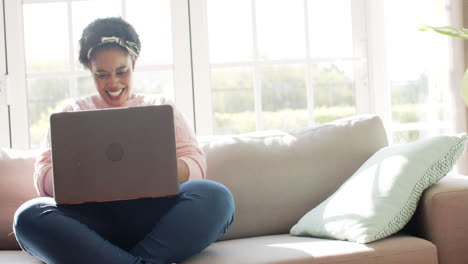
457, 47
201, 67
4, 108
16, 81
377, 91
182, 59
17, 93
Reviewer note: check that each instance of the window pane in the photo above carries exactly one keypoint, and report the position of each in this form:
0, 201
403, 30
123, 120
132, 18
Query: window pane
46, 37
418, 82
280, 29
230, 30
233, 100
148, 82
408, 98
44, 96
401, 137
86, 86
85, 12
154, 82
330, 28
152, 21
284, 97
334, 91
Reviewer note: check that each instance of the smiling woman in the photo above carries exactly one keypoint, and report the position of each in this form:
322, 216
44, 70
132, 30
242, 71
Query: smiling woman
112, 75
111, 59
158, 231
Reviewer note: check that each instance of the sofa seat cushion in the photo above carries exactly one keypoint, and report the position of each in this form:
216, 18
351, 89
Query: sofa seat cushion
17, 257
277, 249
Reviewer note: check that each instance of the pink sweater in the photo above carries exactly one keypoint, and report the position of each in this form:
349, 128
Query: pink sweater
186, 143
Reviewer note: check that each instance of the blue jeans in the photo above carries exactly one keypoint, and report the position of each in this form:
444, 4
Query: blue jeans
141, 231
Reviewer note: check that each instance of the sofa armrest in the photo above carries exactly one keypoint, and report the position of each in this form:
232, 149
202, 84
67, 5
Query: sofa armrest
442, 218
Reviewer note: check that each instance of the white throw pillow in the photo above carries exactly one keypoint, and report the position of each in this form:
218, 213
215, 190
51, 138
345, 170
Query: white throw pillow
382, 195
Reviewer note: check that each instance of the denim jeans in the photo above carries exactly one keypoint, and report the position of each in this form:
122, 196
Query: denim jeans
141, 231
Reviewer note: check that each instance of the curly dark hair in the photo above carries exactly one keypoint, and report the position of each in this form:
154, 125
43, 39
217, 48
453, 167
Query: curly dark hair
105, 27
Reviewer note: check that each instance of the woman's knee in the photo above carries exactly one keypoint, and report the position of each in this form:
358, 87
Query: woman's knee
27, 216
218, 197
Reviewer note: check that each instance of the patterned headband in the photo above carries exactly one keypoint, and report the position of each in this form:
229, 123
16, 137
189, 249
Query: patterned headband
130, 46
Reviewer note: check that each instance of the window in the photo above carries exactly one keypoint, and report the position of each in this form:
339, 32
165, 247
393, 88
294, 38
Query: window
52, 70
273, 65
418, 69
256, 64
283, 64
56, 75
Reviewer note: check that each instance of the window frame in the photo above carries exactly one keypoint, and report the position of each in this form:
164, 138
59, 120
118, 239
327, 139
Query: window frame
4, 108
16, 81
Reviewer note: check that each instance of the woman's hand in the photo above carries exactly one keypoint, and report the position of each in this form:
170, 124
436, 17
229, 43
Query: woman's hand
183, 171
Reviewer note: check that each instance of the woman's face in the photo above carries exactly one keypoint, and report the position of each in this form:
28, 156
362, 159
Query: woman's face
112, 72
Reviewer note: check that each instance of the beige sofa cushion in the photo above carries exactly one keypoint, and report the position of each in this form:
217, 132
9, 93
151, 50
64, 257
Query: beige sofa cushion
16, 187
302, 250
276, 177
297, 250
17, 257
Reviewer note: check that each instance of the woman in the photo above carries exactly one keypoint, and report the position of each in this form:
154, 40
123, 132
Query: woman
148, 230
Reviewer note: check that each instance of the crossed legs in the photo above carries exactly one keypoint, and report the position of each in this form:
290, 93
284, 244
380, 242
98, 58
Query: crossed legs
150, 230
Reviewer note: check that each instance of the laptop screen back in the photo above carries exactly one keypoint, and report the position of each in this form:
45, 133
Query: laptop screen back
113, 154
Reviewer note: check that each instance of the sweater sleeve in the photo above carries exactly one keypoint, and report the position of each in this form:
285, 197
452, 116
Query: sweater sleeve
43, 173
187, 146
43, 176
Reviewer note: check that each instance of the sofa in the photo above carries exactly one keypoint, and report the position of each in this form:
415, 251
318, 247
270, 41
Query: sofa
276, 177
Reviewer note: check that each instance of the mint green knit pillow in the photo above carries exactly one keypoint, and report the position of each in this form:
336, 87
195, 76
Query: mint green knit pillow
381, 196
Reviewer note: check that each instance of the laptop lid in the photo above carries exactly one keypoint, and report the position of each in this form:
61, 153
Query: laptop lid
113, 154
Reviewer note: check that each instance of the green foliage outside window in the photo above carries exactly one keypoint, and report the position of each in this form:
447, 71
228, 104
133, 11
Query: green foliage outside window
284, 104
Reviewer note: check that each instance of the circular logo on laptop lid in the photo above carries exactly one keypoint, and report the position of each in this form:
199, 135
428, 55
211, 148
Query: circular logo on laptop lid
115, 152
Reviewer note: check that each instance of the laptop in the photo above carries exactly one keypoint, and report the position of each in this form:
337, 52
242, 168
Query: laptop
113, 154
